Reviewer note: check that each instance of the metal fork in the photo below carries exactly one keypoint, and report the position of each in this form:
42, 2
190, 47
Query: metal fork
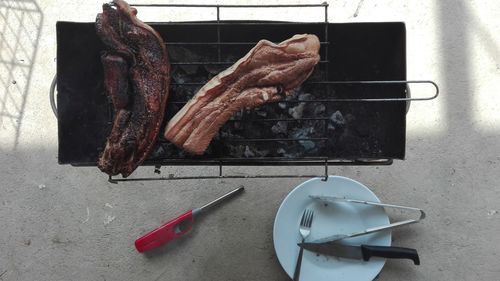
305, 230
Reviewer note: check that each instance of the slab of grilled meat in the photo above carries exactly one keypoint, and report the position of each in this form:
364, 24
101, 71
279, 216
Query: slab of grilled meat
267, 73
136, 78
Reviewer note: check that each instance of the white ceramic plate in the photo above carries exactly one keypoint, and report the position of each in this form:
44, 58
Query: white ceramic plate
329, 219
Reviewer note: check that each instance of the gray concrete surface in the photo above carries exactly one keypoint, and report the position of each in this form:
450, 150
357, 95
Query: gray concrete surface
66, 223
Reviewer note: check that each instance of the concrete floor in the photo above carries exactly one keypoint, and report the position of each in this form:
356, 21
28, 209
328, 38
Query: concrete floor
66, 223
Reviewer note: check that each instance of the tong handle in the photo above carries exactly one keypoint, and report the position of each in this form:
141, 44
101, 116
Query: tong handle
390, 252
389, 226
167, 232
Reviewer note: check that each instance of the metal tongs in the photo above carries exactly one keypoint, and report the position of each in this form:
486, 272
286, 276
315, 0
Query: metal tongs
333, 199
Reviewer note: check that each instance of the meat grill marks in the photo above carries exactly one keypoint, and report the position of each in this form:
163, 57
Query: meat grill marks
267, 73
136, 78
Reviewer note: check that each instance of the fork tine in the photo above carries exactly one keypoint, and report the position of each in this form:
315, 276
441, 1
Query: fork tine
302, 220
311, 219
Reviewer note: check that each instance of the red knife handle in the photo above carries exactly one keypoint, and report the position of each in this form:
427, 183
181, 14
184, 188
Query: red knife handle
165, 233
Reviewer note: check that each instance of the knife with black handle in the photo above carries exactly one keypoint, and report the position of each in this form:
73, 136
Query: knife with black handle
362, 252
369, 251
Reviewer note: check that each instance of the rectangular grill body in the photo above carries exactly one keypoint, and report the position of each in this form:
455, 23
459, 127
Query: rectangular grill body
344, 132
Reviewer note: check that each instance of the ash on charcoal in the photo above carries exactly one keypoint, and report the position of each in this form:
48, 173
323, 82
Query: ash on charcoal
179, 76
308, 145
248, 153
292, 95
319, 109
280, 128
305, 96
305, 133
281, 151
255, 152
237, 150
337, 118
297, 111
168, 150
282, 105
227, 134
158, 151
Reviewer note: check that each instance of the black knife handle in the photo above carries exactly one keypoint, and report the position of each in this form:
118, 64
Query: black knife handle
390, 252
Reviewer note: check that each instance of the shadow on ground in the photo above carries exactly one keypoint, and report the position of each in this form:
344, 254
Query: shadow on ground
20, 27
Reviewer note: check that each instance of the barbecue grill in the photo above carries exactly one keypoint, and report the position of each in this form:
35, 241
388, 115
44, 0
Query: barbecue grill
351, 111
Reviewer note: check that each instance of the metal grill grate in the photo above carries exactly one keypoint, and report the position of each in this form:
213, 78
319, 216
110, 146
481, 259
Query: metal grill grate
323, 64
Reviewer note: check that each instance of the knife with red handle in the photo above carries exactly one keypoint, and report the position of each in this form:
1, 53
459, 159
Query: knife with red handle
178, 226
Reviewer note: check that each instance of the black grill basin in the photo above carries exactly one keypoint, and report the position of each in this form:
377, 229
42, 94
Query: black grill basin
307, 127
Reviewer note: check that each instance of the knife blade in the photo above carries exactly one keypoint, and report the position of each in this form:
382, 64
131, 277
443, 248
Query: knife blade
362, 252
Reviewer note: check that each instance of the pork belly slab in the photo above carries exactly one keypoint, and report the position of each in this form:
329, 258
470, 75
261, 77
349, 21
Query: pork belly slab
136, 78
267, 73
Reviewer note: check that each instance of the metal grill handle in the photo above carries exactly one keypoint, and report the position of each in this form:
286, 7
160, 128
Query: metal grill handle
406, 99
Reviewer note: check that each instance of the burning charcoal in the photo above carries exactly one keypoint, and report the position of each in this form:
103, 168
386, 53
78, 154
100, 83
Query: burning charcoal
297, 111
280, 127
337, 119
